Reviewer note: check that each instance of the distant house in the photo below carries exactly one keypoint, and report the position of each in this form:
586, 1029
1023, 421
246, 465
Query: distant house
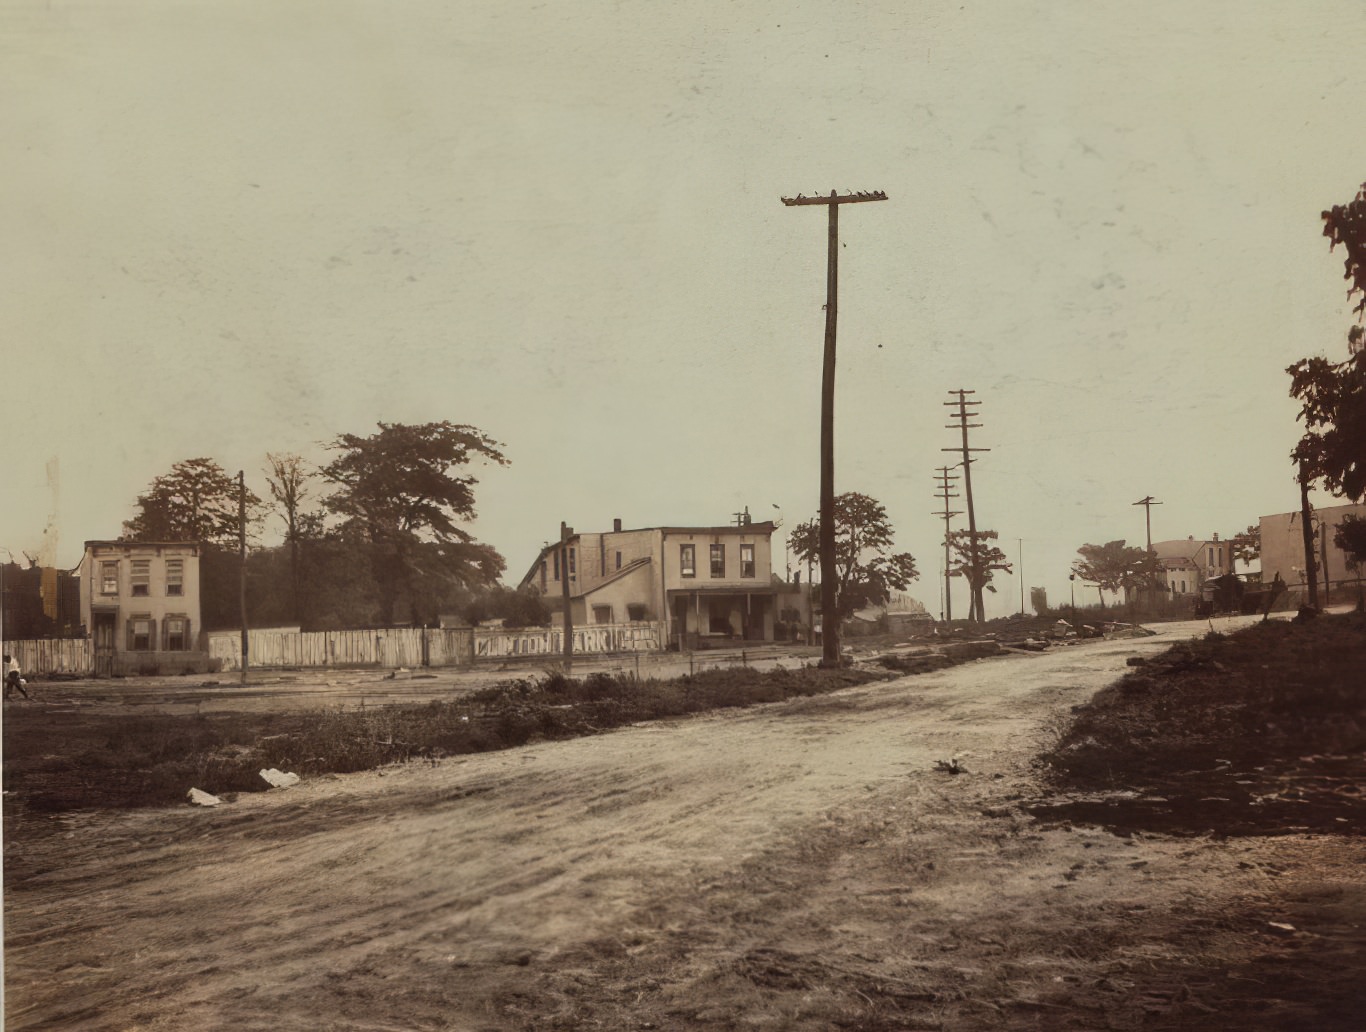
706, 585
140, 605
1283, 548
1185, 565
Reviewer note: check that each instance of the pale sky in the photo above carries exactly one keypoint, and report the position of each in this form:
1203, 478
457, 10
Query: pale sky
232, 228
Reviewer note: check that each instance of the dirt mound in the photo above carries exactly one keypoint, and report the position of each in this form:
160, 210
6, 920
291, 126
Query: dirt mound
1258, 732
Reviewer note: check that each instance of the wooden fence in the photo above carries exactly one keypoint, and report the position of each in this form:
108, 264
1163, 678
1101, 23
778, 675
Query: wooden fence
52, 656
410, 647
418, 647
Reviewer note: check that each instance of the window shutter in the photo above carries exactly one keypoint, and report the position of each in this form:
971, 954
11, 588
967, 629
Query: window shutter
188, 646
130, 637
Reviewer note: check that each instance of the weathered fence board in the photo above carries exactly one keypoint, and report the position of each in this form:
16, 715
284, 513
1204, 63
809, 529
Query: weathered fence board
52, 656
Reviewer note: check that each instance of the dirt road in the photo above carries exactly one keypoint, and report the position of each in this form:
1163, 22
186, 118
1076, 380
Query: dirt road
795, 866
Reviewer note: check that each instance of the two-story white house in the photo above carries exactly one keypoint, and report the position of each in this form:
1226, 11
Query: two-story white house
706, 585
1185, 565
140, 606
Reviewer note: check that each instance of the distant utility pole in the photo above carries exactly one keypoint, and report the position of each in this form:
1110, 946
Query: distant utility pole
944, 496
830, 649
1148, 504
962, 415
566, 532
1020, 544
242, 561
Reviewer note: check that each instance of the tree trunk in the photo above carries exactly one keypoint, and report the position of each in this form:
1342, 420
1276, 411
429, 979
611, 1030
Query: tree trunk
1307, 532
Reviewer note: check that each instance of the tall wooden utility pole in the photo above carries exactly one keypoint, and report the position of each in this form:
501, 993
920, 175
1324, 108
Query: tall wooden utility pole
944, 496
976, 612
242, 561
566, 532
830, 648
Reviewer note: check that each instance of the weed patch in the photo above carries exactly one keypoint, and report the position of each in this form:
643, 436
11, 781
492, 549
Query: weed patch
64, 761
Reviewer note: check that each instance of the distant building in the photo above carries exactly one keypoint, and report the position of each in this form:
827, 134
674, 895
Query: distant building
140, 604
39, 602
1283, 548
708, 586
1185, 565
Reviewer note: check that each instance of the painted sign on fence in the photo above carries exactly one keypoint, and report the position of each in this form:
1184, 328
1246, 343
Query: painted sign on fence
417, 647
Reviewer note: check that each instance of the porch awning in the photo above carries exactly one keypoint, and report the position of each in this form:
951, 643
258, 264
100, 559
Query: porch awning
757, 589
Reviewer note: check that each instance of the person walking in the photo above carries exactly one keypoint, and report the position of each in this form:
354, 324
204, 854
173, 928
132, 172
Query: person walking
12, 678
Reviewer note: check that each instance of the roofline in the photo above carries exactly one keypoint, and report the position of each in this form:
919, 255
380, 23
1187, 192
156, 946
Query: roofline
128, 544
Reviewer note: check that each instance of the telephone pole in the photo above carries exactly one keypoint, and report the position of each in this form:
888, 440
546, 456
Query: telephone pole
944, 496
242, 561
830, 650
1148, 504
962, 415
566, 532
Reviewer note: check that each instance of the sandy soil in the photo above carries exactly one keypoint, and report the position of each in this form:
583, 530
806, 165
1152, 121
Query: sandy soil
802, 865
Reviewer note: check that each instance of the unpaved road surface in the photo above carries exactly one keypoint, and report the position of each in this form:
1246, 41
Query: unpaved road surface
801, 865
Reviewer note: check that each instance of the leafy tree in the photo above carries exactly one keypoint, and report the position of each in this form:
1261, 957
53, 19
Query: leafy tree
1350, 536
867, 570
1333, 396
195, 501
1115, 566
396, 490
1246, 546
516, 607
1345, 224
976, 565
1038, 599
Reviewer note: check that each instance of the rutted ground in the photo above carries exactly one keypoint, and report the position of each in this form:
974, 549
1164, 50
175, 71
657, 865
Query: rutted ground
801, 865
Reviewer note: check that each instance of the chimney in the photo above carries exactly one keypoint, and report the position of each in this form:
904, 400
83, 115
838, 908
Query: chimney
616, 526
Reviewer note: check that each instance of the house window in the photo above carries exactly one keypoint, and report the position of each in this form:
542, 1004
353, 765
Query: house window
140, 630
557, 564
175, 633
618, 560
175, 576
109, 578
718, 560
687, 560
635, 610
1211, 557
542, 574
571, 563
142, 577
746, 560
602, 614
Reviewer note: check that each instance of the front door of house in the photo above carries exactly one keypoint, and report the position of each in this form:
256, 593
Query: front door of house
103, 631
